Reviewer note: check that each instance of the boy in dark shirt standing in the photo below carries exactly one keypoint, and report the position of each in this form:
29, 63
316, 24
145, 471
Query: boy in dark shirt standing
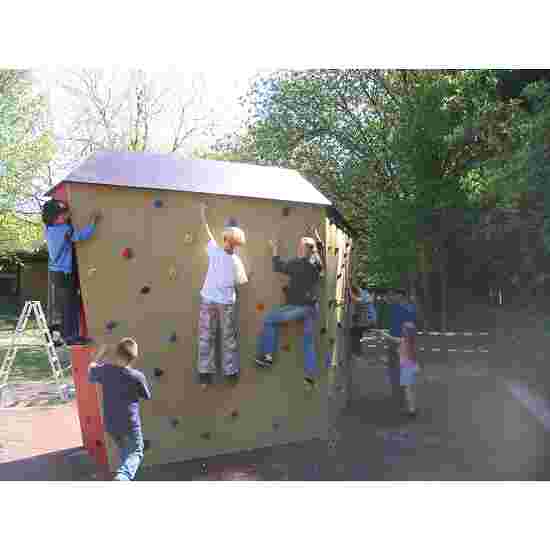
123, 386
302, 304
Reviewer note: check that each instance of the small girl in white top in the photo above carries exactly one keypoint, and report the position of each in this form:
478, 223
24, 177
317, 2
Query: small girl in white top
218, 303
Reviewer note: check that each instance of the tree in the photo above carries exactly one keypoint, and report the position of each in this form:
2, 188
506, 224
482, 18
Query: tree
26, 147
129, 111
394, 149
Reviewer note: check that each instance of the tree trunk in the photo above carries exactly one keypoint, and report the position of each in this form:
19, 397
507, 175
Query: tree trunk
424, 269
444, 276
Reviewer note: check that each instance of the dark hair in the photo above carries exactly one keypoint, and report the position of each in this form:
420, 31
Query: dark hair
52, 209
355, 290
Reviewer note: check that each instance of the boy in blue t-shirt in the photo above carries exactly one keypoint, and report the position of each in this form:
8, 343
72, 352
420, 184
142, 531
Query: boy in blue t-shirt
123, 387
64, 300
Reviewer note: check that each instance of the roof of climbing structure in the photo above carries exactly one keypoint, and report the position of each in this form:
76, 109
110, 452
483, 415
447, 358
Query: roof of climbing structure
169, 172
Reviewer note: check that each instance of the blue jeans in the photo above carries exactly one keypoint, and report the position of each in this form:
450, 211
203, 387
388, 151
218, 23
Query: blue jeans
281, 314
130, 447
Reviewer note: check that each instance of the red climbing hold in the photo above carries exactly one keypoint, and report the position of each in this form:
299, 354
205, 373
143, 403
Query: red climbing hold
127, 253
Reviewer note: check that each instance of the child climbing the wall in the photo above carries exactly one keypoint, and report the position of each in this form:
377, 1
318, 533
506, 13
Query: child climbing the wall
302, 295
64, 300
123, 387
218, 307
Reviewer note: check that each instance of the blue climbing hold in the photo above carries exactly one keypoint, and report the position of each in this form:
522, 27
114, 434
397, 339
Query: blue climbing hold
173, 337
157, 203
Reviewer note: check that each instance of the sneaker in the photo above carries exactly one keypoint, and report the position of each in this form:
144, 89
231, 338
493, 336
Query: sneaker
264, 361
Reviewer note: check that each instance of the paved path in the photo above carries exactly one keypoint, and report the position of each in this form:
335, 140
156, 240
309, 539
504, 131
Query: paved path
482, 417
42, 443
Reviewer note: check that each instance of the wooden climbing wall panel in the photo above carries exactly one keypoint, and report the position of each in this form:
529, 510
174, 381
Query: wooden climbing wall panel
168, 259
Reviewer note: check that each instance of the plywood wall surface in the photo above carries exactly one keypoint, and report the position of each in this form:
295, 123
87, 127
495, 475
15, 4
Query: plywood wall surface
169, 256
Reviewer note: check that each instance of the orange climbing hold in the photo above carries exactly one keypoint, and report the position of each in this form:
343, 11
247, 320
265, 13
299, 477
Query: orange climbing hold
260, 307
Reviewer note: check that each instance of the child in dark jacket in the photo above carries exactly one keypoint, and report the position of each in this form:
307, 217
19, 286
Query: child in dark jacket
123, 387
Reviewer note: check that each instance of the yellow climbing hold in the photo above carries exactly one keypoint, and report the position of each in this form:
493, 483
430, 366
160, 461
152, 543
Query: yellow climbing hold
92, 271
172, 273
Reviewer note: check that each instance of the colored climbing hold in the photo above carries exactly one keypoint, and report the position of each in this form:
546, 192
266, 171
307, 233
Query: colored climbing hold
172, 273
206, 435
188, 238
175, 422
127, 253
286, 211
260, 307
92, 271
286, 347
111, 325
339, 324
146, 289
276, 426
158, 372
146, 444
173, 338
323, 330
157, 203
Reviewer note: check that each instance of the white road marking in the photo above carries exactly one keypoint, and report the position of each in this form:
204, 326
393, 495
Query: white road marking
537, 406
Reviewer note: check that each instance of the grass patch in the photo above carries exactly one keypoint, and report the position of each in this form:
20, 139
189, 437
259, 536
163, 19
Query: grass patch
31, 362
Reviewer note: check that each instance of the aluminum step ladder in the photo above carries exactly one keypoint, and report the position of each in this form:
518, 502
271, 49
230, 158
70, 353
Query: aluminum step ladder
9, 358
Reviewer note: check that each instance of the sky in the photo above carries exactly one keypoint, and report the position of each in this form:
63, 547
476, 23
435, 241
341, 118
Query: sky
217, 98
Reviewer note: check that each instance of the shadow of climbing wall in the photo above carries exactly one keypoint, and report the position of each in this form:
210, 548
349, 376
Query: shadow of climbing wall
141, 276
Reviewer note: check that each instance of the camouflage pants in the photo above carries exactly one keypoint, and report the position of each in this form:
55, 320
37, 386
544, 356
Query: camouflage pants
211, 318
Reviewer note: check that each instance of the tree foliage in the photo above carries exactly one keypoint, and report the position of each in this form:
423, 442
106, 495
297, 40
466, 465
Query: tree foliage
26, 147
390, 148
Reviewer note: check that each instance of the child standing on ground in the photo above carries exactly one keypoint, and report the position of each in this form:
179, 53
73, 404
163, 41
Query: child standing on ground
408, 366
123, 386
362, 318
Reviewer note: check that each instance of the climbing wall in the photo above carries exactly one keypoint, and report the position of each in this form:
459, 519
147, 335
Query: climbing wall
141, 276
338, 268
